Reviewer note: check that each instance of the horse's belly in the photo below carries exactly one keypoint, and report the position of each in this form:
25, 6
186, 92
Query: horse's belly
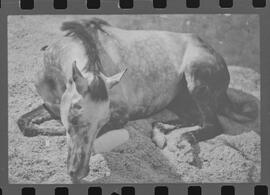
144, 93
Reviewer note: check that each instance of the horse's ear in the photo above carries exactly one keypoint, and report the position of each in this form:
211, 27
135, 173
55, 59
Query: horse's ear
113, 80
80, 82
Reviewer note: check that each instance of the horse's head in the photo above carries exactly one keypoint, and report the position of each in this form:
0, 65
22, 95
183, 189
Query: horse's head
84, 111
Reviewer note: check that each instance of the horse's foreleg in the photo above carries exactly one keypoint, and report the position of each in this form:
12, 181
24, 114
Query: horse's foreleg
30, 123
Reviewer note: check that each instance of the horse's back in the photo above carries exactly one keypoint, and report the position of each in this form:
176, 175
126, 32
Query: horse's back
153, 59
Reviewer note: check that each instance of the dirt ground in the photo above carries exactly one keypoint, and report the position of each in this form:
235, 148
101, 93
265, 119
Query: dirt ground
231, 157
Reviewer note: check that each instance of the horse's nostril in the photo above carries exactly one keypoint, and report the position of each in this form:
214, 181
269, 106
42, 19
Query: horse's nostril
87, 170
72, 173
74, 120
77, 106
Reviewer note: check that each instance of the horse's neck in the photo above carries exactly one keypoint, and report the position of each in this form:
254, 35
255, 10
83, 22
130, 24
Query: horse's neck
108, 47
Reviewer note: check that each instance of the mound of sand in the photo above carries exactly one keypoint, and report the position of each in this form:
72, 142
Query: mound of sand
225, 158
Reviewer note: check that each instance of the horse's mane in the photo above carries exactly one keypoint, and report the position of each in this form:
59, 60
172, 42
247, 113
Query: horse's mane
96, 24
79, 30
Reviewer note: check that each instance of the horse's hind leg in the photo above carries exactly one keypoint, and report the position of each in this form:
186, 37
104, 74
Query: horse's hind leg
184, 107
207, 106
29, 123
203, 113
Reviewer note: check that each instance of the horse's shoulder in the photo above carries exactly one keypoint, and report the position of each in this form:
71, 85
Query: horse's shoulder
63, 52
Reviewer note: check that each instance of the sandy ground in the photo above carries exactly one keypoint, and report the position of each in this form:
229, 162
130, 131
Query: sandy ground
231, 157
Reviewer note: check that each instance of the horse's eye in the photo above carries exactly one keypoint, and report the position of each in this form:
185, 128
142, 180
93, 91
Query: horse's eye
77, 106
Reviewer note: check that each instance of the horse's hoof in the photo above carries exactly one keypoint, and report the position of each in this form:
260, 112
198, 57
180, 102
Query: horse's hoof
159, 138
157, 124
189, 137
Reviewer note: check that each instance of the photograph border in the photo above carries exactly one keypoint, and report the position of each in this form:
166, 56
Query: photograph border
11, 7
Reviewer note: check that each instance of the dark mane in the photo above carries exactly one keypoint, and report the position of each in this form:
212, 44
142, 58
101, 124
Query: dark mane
97, 89
79, 31
96, 24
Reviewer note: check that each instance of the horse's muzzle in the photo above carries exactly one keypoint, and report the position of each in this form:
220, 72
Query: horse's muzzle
77, 163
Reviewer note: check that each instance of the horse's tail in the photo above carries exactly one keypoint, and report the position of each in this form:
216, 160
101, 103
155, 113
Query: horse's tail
79, 31
239, 106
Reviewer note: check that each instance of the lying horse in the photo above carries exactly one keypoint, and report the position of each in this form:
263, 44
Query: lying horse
84, 83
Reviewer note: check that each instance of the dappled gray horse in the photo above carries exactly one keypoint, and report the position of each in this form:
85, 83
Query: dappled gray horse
84, 83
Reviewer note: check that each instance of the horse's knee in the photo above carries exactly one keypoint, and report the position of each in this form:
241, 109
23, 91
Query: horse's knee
26, 127
22, 123
27, 122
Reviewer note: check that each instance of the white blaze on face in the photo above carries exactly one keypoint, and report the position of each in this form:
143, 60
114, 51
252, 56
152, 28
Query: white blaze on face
70, 96
66, 103
84, 111
96, 114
